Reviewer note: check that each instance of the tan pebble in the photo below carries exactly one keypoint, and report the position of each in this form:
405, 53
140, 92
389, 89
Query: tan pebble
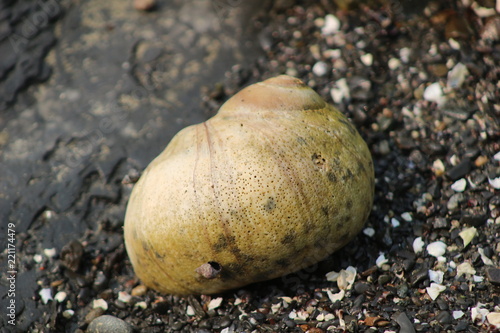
480, 161
144, 4
139, 290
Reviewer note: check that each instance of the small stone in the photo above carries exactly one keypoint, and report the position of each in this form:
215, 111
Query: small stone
467, 235
60, 296
144, 5
457, 75
444, 317
140, 290
331, 26
436, 276
215, 303
124, 296
320, 68
381, 260
458, 314
438, 167
109, 324
480, 161
394, 63
434, 93
370, 232
367, 59
68, 313
454, 201
50, 253
484, 257
341, 92
460, 170
407, 217
100, 303
494, 319
46, 295
493, 275
418, 245
436, 249
495, 182
404, 322
404, 54
459, 185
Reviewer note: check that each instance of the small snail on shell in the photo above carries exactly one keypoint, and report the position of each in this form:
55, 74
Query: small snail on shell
275, 182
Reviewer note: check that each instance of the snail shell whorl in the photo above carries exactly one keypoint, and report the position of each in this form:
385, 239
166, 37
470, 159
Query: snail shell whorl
275, 182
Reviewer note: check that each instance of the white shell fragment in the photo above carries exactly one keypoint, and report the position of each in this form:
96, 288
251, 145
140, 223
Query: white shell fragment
60, 296
341, 92
124, 296
459, 185
434, 93
381, 260
335, 297
367, 59
345, 278
418, 245
467, 235
457, 75
484, 258
370, 232
100, 303
478, 313
458, 314
215, 303
434, 290
46, 295
465, 268
332, 25
436, 276
436, 249
495, 182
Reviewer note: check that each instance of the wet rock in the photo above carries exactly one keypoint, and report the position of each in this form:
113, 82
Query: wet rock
404, 323
109, 324
460, 170
493, 275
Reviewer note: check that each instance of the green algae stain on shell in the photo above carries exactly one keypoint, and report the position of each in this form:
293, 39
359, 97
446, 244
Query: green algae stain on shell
276, 181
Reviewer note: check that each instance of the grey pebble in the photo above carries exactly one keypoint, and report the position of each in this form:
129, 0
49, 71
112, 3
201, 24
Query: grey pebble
404, 323
444, 317
460, 170
493, 275
109, 324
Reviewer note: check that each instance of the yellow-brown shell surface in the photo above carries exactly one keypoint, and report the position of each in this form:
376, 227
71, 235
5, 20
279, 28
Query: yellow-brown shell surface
273, 183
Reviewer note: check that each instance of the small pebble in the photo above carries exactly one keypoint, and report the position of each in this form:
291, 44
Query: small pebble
405, 323
140, 290
124, 296
331, 26
50, 253
46, 295
60, 296
100, 303
407, 217
394, 63
215, 303
444, 317
458, 314
68, 313
434, 93
457, 75
436, 249
494, 319
109, 324
341, 91
144, 5
418, 245
370, 232
436, 276
493, 275
367, 59
495, 182
320, 68
459, 185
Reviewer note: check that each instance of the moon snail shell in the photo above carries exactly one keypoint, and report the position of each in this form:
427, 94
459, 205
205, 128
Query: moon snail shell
276, 181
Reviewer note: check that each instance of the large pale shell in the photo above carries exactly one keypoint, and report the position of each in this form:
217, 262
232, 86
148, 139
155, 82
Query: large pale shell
275, 182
